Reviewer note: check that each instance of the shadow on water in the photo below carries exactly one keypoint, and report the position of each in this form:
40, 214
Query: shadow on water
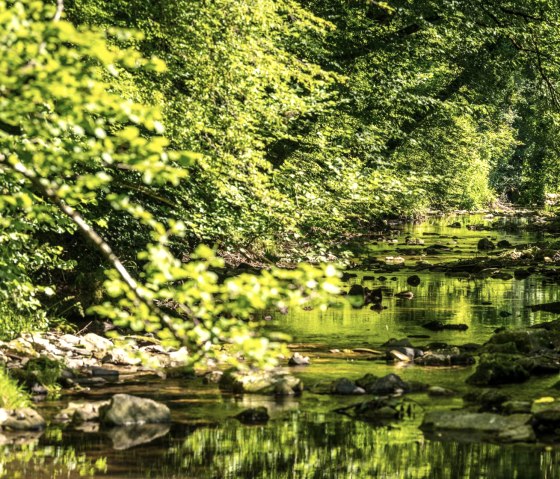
305, 438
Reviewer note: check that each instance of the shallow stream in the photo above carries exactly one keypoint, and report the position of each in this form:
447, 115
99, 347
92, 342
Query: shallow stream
305, 438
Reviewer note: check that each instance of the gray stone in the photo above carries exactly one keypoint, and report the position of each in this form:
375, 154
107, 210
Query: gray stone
346, 387
474, 426
22, 419
276, 382
390, 384
79, 413
298, 360
439, 391
125, 410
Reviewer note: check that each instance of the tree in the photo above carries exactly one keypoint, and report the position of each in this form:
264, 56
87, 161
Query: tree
69, 139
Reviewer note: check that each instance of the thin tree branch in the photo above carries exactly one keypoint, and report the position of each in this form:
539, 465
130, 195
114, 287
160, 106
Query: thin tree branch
50, 192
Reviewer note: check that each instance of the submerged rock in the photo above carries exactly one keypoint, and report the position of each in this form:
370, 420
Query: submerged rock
485, 244
439, 326
124, 410
257, 415
476, 426
488, 400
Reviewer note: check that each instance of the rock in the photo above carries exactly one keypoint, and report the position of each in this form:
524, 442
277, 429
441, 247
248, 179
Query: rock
546, 415
346, 387
258, 415
493, 370
95, 343
390, 384
455, 224
485, 244
489, 400
471, 426
125, 410
125, 437
397, 343
504, 244
439, 326
398, 356
445, 357
22, 419
368, 278
104, 373
298, 360
516, 407
529, 341
438, 391
405, 295
124, 357
404, 354
378, 410
413, 280
366, 381
261, 382
79, 413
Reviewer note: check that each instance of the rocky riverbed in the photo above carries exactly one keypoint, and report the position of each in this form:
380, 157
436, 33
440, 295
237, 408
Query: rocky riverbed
445, 342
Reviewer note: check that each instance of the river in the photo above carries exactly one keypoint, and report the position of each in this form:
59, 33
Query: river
305, 438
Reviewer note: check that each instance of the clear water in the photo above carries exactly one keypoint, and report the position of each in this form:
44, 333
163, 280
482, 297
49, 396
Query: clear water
305, 438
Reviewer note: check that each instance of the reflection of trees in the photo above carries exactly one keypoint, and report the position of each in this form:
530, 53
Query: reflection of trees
48, 462
318, 446
437, 297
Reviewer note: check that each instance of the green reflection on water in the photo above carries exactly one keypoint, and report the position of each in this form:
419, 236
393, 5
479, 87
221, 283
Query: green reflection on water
305, 438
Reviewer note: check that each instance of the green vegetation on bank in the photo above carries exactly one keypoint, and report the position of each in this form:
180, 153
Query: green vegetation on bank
132, 133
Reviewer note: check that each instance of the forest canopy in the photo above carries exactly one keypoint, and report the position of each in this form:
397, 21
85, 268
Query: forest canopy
133, 133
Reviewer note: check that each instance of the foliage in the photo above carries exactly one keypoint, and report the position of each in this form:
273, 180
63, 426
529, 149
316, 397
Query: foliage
311, 122
68, 139
12, 396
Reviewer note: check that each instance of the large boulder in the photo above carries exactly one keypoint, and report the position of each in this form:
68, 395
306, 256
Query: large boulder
471, 426
125, 410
